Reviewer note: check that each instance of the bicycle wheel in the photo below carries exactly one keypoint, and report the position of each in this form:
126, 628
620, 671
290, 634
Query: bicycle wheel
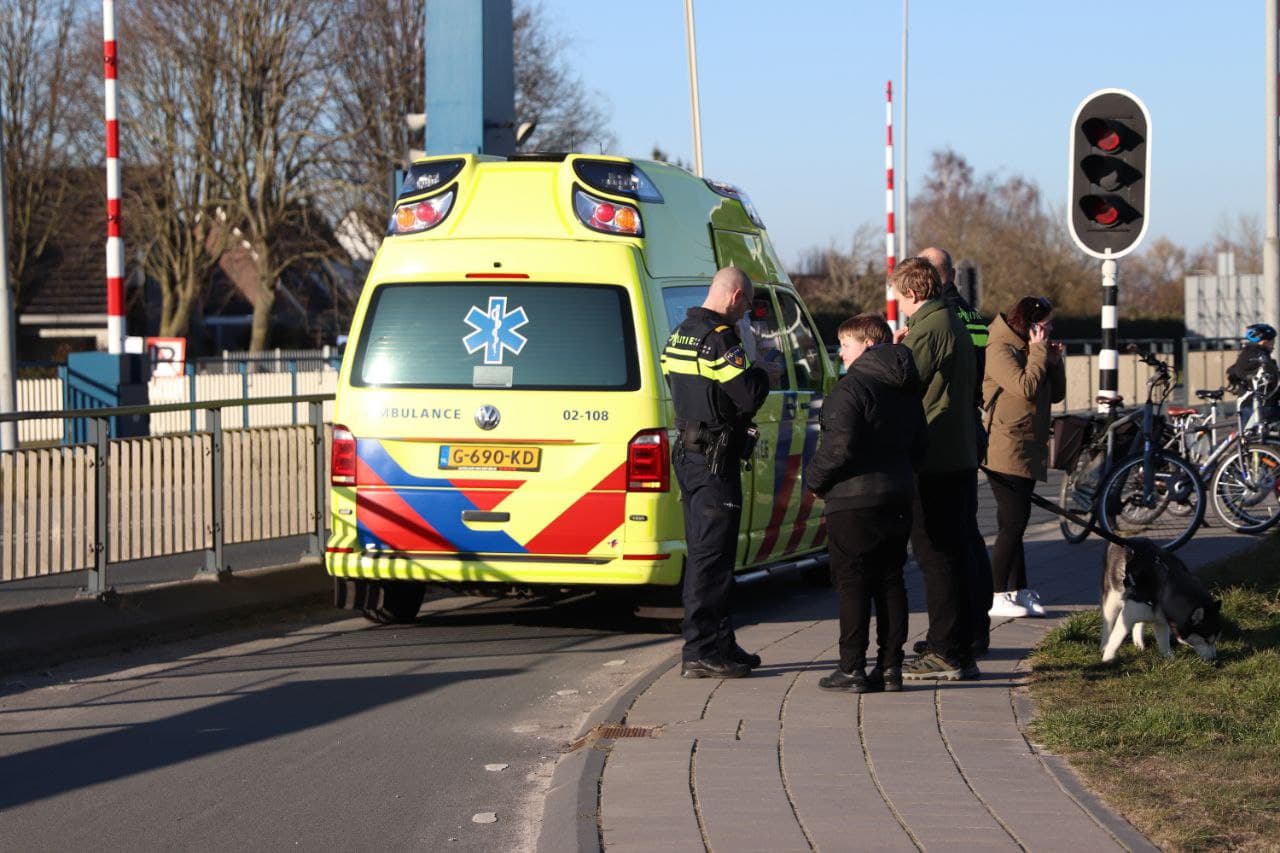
1126, 510
1245, 487
1074, 496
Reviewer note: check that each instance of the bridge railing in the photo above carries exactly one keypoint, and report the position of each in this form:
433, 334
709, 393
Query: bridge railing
85, 506
238, 380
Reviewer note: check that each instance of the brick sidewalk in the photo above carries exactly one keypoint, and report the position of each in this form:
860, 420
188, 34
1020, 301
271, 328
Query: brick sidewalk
774, 763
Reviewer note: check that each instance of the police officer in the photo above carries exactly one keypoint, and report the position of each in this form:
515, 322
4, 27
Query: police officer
715, 391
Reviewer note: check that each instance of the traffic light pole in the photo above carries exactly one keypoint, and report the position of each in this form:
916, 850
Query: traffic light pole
1271, 239
1109, 357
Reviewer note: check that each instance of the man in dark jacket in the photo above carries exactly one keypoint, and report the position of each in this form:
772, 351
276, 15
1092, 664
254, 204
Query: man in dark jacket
979, 564
943, 353
873, 432
1256, 355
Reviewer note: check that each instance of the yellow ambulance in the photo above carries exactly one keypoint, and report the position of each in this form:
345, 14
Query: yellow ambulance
501, 418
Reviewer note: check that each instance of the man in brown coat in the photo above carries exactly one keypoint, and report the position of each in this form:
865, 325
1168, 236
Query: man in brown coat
1024, 377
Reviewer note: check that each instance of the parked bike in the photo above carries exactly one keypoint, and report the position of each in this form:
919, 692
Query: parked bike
1239, 467
1125, 480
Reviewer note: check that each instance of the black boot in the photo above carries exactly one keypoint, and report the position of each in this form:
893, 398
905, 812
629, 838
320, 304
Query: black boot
848, 682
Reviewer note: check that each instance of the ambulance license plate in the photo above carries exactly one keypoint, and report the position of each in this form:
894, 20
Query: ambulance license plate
489, 457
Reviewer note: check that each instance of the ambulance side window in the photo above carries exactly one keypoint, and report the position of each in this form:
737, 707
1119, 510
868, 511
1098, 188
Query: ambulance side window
765, 340
804, 344
678, 300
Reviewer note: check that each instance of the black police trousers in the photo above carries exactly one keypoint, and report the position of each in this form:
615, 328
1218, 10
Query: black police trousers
712, 507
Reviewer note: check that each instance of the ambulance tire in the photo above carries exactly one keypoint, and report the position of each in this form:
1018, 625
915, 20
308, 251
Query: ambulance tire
401, 601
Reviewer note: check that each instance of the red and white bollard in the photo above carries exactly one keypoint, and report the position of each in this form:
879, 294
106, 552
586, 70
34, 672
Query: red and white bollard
890, 298
115, 244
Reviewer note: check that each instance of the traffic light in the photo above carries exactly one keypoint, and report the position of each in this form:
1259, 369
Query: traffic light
1110, 165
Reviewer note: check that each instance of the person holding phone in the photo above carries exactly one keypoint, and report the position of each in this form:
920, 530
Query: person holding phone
1024, 377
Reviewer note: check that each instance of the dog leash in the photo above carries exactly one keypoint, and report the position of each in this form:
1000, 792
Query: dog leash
1046, 504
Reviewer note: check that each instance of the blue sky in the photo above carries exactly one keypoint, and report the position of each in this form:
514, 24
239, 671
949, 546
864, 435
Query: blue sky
793, 97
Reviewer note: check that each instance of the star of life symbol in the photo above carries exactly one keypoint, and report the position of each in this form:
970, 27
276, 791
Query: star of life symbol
495, 330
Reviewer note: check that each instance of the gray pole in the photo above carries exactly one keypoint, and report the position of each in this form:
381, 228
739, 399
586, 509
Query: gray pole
691, 41
903, 244
8, 396
1271, 242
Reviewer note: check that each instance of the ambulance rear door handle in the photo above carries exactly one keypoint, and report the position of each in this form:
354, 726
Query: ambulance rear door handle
481, 515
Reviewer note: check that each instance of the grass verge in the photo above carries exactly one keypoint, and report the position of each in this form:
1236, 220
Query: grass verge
1189, 753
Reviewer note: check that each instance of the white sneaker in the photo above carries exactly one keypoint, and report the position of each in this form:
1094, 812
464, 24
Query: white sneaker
1006, 604
1030, 599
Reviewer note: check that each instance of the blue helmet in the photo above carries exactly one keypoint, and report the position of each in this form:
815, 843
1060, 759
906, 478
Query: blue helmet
1259, 332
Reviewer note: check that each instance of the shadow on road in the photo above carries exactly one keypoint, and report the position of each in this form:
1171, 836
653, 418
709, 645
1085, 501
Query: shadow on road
265, 714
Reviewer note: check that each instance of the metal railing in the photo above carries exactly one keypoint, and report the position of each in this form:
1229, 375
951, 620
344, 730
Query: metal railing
48, 395
109, 500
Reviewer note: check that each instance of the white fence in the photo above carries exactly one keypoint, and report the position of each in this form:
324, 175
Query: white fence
160, 496
45, 395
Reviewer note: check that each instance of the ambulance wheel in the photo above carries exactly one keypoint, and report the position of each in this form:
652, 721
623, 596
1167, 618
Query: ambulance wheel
401, 601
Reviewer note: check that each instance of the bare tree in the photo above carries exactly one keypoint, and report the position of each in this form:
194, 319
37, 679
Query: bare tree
174, 95
381, 79
569, 117
1006, 229
278, 132
1151, 281
45, 124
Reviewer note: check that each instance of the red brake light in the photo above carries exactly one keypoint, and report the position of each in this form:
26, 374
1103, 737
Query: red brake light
607, 217
649, 462
413, 217
342, 458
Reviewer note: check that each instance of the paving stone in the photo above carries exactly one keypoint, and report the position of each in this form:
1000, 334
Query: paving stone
781, 763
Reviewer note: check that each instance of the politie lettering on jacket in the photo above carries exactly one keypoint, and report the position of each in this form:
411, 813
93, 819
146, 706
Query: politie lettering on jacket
411, 412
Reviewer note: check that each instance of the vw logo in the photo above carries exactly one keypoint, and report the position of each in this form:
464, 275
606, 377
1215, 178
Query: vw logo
487, 417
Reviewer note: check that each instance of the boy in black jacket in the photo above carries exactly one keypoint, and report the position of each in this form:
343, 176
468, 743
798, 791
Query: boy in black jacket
873, 434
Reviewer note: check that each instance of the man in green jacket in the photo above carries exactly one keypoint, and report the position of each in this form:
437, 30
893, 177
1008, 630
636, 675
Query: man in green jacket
944, 357
979, 563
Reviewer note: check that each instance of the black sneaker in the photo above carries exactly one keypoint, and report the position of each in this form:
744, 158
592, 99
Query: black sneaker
930, 666
847, 682
714, 668
888, 680
969, 670
740, 655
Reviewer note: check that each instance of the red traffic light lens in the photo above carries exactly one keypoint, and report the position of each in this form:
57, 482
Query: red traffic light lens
1100, 211
1101, 134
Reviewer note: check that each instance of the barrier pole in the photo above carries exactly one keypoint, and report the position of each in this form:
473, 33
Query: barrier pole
315, 544
214, 558
891, 252
96, 580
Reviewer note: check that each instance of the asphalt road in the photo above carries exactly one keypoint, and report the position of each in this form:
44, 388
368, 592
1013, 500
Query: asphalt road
325, 732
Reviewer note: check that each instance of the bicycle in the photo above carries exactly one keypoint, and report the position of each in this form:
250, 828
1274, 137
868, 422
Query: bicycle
1125, 480
1241, 469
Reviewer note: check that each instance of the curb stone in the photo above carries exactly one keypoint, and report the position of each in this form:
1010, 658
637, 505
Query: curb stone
571, 810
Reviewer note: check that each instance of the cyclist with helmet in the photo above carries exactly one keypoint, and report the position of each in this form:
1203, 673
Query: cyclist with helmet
1256, 353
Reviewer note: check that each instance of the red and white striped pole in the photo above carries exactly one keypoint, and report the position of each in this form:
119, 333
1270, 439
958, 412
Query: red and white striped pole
115, 244
890, 298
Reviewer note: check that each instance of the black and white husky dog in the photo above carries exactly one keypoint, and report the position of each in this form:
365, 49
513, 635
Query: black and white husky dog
1141, 584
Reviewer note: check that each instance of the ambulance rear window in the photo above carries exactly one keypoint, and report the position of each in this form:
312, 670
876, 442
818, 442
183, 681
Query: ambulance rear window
498, 335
